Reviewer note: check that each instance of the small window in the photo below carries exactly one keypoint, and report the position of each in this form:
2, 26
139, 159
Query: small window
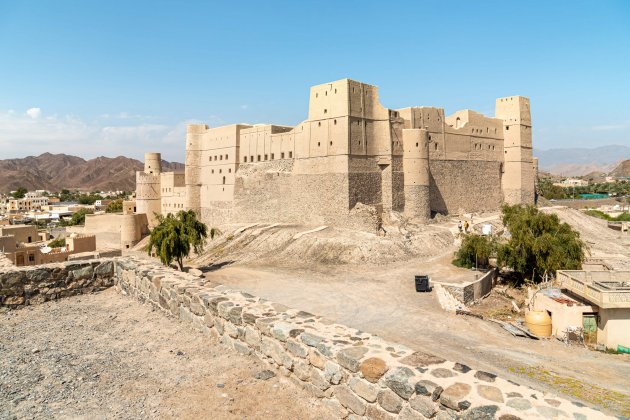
325, 111
245, 159
266, 157
282, 155
290, 155
31, 257
331, 143
29, 239
220, 171
223, 181
213, 171
318, 144
221, 157
226, 157
436, 146
272, 156
335, 122
319, 124
210, 158
251, 158
507, 127
258, 158
230, 170
417, 144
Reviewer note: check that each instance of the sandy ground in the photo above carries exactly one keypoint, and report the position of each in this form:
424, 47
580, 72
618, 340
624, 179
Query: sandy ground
108, 356
381, 299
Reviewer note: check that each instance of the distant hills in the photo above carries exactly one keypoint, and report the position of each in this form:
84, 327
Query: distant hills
54, 172
581, 161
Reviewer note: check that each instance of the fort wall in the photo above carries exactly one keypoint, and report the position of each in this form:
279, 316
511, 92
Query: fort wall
461, 186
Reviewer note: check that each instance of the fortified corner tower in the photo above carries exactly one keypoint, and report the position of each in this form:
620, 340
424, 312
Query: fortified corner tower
194, 134
416, 172
518, 167
148, 192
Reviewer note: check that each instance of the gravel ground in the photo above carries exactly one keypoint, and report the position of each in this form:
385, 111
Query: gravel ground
107, 356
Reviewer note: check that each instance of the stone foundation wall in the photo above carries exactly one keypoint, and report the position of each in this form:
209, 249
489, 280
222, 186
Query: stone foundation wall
353, 372
21, 286
465, 185
270, 192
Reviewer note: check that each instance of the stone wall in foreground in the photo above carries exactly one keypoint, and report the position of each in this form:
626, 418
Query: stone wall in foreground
20, 286
355, 373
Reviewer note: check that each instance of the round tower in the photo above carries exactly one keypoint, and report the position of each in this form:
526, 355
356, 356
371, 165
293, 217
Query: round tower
416, 173
148, 192
129, 232
152, 163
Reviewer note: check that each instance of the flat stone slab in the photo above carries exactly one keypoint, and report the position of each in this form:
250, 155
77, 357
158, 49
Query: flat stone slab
489, 392
454, 396
421, 359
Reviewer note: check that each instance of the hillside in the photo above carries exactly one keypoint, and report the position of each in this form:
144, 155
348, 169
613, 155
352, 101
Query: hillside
623, 169
54, 172
581, 161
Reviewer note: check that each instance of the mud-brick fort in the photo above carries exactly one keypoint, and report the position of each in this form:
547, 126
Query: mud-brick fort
350, 164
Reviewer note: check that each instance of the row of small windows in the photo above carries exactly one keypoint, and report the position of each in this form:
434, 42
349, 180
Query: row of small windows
325, 93
176, 205
166, 190
479, 146
266, 157
220, 157
221, 171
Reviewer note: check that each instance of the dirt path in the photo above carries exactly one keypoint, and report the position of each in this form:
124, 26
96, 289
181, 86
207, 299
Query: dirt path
108, 356
384, 302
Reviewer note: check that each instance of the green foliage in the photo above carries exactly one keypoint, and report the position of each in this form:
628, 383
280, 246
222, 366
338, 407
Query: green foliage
78, 218
20, 193
115, 206
57, 243
539, 243
474, 251
623, 217
175, 235
550, 191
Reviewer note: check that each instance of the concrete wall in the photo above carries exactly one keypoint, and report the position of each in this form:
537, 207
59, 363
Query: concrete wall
613, 328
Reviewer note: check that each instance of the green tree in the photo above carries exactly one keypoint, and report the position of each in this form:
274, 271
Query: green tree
20, 193
115, 206
78, 218
474, 251
58, 242
539, 243
174, 237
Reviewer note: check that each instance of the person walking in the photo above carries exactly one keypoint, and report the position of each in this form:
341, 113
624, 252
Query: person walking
459, 226
466, 225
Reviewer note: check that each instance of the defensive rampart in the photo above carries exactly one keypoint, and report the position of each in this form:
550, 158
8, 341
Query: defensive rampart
354, 372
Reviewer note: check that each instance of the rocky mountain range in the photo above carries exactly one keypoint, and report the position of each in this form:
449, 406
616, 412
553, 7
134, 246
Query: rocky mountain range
581, 161
54, 172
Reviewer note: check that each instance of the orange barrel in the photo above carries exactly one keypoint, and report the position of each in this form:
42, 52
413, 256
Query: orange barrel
538, 323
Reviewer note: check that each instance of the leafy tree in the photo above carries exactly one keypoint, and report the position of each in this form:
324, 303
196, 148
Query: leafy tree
115, 206
20, 193
474, 251
57, 243
78, 218
174, 236
539, 243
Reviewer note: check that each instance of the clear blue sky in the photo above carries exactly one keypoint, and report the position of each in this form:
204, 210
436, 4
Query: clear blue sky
117, 77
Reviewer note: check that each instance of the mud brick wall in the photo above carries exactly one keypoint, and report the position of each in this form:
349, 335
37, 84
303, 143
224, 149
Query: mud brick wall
356, 374
31, 285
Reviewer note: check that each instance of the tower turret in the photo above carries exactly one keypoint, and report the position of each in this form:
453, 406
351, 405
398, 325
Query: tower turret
416, 172
518, 168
